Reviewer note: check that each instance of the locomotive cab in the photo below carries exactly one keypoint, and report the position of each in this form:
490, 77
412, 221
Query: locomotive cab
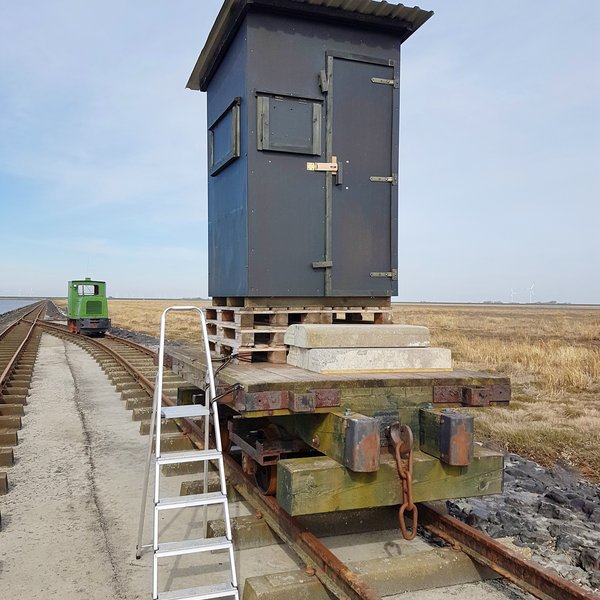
87, 308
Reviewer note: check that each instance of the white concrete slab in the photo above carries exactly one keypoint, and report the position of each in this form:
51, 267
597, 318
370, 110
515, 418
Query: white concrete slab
370, 360
342, 335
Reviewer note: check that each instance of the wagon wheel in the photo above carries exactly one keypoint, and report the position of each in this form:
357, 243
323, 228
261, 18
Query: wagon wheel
266, 479
266, 475
225, 439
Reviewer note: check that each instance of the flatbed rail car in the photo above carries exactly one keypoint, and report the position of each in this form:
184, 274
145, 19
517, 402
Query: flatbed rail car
318, 442
87, 308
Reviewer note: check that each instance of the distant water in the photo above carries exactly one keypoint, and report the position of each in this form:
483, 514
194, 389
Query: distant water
8, 304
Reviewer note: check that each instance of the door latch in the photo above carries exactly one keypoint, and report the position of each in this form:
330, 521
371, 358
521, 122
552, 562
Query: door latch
393, 179
322, 264
383, 81
393, 274
327, 167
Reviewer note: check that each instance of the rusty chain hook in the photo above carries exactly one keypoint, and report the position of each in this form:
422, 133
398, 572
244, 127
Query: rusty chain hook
401, 438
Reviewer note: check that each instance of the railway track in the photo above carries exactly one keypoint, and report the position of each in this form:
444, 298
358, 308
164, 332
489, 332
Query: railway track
131, 369
19, 343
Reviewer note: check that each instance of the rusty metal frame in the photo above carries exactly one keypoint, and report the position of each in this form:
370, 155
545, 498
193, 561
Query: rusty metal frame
264, 452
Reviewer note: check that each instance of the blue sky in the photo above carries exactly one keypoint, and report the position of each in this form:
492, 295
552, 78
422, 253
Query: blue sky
102, 149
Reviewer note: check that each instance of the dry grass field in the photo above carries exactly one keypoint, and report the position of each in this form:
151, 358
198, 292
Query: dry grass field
552, 355
553, 358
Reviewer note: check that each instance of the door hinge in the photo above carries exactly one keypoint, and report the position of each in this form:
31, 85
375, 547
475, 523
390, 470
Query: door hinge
383, 81
322, 264
393, 179
393, 274
329, 167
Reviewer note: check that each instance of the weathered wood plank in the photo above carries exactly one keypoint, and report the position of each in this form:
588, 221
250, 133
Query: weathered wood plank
316, 485
263, 377
350, 439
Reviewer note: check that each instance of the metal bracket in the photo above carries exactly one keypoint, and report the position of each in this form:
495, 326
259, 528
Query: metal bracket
322, 264
323, 81
393, 274
393, 179
328, 167
393, 82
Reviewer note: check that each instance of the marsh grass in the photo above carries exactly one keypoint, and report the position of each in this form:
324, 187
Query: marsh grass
553, 358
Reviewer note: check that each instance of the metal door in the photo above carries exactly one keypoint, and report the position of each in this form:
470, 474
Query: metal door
362, 134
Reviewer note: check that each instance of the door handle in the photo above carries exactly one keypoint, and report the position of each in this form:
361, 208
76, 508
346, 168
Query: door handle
339, 175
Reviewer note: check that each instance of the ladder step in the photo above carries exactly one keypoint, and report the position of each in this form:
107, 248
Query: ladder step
173, 458
187, 410
191, 500
192, 546
207, 592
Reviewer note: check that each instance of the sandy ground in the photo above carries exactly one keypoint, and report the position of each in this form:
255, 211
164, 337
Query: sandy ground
70, 518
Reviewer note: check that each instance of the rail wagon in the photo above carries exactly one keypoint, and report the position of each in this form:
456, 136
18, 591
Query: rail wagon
87, 308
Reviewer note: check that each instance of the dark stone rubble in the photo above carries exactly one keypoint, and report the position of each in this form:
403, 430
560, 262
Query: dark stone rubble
552, 511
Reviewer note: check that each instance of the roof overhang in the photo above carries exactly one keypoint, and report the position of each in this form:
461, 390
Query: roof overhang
369, 14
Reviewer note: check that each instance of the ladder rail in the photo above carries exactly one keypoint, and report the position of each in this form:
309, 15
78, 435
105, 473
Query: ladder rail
138, 547
210, 402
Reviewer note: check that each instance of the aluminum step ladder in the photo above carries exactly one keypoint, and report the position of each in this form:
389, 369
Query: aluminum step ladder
193, 411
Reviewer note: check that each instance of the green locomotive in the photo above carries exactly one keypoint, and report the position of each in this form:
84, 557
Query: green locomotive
87, 309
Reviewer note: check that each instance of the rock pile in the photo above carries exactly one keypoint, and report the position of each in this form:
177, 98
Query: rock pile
554, 512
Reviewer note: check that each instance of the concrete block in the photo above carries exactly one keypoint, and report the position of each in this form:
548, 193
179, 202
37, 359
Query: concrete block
8, 437
7, 457
11, 409
283, 586
370, 360
423, 571
387, 576
248, 532
357, 336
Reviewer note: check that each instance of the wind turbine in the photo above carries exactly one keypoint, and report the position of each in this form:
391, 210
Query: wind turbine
512, 296
531, 293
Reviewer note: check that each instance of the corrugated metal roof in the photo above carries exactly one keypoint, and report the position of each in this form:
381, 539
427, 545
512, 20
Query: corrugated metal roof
232, 12
413, 15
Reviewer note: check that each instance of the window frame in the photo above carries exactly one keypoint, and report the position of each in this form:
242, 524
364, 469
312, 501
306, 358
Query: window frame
234, 151
264, 142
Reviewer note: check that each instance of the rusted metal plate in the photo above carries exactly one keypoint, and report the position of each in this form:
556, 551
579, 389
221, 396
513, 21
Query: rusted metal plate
284, 399
477, 396
362, 444
261, 401
302, 402
447, 435
501, 393
456, 441
327, 397
472, 395
447, 394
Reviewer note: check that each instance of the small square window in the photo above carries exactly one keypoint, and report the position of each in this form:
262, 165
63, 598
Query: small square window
87, 290
288, 124
224, 138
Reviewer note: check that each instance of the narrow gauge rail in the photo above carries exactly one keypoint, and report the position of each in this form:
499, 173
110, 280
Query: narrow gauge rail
19, 343
132, 366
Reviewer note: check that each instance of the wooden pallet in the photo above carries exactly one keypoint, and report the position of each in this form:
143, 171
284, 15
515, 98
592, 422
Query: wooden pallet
257, 333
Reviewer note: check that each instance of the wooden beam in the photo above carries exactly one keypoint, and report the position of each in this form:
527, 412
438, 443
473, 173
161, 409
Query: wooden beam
317, 485
349, 438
